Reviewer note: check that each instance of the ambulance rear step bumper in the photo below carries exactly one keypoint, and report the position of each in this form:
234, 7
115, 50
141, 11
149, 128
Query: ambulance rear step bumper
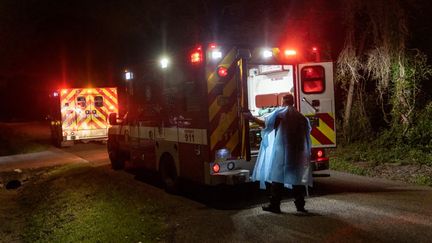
320, 164
233, 177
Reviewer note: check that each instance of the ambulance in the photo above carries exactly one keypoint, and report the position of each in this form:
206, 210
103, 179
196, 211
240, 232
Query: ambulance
185, 112
81, 114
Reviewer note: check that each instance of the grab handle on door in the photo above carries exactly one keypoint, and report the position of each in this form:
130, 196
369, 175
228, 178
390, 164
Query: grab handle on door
310, 104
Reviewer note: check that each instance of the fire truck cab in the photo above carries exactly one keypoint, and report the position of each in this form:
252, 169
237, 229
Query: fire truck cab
185, 120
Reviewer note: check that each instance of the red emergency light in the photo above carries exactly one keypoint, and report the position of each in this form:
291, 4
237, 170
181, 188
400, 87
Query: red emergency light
222, 71
290, 52
196, 56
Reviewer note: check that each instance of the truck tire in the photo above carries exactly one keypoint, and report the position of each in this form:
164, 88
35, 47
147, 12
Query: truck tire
116, 156
168, 173
117, 159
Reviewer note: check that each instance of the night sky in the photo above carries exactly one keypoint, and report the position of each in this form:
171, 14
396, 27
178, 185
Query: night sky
47, 44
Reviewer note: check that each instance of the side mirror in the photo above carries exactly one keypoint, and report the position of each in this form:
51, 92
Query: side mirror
112, 119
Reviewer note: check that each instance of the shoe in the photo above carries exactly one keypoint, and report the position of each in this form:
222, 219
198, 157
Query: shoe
302, 210
272, 209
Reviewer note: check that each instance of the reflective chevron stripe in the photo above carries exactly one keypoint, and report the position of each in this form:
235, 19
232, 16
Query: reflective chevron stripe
223, 108
90, 118
324, 134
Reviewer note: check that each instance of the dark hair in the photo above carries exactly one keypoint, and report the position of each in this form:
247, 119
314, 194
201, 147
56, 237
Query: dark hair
288, 99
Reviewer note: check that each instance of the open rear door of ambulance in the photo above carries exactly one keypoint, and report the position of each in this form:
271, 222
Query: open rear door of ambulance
316, 101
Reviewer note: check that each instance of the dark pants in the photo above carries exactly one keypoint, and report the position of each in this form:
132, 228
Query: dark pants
276, 190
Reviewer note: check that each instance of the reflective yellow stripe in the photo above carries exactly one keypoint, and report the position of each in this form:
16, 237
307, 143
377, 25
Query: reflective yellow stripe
98, 122
232, 143
213, 109
327, 131
224, 124
227, 92
314, 141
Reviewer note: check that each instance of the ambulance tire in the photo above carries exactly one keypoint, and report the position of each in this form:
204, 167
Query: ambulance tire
56, 137
168, 173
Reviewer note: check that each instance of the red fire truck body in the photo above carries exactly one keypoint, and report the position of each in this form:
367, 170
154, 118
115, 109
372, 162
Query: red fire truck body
184, 119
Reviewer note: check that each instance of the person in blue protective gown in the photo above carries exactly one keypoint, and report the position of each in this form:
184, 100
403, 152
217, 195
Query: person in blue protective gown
284, 155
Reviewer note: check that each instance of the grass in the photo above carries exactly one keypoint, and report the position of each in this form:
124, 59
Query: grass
79, 203
370, 152
340, 164
13, 142
423, 180
364, 159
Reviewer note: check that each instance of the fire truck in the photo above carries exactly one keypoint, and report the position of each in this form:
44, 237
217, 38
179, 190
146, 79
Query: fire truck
81, 114
185, 120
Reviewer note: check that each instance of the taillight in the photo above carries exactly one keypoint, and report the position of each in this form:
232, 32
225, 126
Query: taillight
216, 168
313, 79
320, 153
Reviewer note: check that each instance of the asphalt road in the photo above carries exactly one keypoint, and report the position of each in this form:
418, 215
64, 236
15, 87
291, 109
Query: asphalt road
342, 207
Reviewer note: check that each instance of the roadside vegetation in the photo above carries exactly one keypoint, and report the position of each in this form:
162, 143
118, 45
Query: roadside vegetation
384, 86
14, 141
79, 203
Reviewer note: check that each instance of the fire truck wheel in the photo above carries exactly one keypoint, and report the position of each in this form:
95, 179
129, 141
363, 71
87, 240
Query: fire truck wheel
117, 159
168, 174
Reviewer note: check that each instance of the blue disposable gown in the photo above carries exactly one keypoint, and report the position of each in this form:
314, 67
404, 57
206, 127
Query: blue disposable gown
281, 158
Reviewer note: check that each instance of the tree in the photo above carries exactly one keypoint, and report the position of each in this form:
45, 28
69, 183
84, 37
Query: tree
376, 50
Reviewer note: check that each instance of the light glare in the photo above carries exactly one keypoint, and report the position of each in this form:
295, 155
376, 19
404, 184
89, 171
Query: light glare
128, 75
216, 54
267, 53
164, 62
